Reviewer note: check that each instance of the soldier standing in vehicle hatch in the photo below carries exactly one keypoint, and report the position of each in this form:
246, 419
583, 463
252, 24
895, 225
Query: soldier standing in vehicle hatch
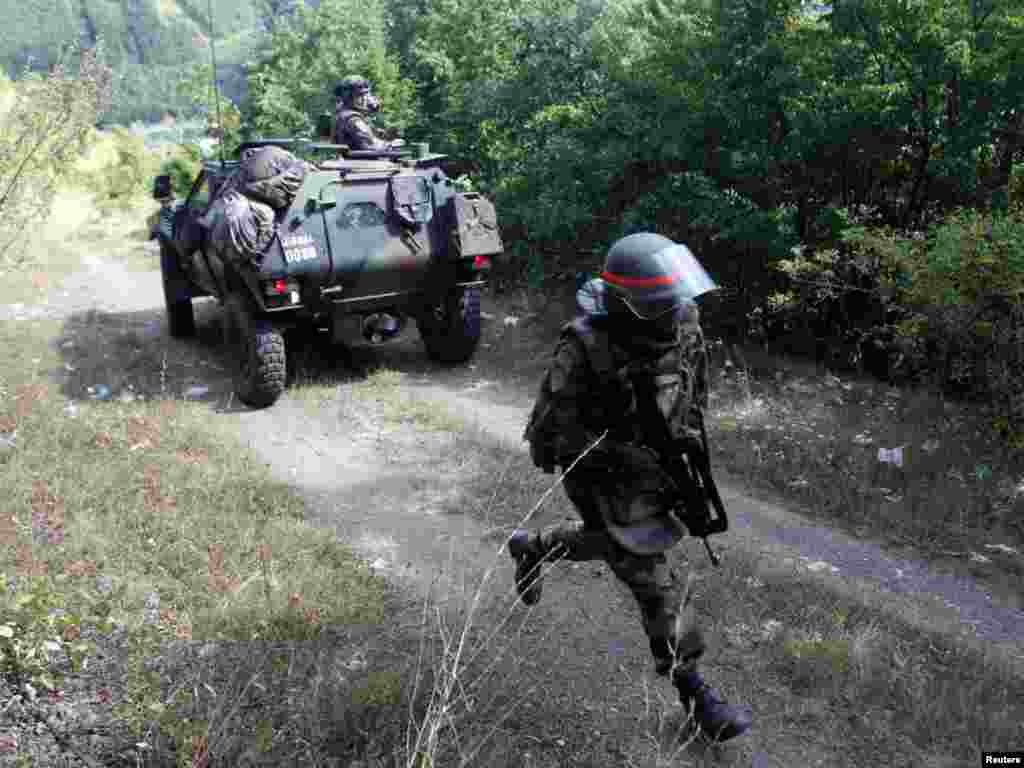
633, 363
355, 102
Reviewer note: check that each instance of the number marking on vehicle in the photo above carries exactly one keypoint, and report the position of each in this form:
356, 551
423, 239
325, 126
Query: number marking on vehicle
299, 249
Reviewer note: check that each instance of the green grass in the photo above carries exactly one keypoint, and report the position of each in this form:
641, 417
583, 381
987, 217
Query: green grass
158, 499
394, 405
110, 503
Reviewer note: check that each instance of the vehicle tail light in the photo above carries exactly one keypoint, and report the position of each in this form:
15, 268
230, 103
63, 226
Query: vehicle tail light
481, 262
281, 292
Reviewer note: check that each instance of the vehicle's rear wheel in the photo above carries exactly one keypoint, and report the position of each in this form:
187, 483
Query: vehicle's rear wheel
257, 348
181, 319
451, 329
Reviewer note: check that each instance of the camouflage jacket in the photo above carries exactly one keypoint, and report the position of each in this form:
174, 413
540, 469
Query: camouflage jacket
354, 131
647, 400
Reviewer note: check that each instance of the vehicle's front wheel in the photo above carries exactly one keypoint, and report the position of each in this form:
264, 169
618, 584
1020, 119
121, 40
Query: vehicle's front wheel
451, 329
258, 353
181, 319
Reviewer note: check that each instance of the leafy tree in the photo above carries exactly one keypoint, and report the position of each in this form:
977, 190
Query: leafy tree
293, 80
46, 127
207, 99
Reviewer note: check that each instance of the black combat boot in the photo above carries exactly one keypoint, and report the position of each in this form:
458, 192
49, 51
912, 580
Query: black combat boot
526, 551
717, 719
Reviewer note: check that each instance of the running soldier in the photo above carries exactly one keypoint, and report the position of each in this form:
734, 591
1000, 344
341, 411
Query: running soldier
633, 365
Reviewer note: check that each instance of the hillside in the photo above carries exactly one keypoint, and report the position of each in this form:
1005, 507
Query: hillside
146, 41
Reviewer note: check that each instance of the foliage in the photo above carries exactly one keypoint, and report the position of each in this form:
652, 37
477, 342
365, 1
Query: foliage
292, 81
802, 151
207, 98
47, 127
952, 299
183, 167
35, 626
117, 169
967, 286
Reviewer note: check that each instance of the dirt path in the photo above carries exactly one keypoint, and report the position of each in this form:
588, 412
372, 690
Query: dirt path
908, 588
385, 492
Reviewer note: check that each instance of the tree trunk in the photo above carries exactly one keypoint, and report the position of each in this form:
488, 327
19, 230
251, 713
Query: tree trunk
919, 178
1009, 142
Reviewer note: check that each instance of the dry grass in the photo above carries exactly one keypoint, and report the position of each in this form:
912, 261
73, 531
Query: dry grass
829, 676
818, 662
814, 438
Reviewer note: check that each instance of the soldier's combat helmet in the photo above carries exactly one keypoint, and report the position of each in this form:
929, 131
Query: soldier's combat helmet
652, 275
352, 86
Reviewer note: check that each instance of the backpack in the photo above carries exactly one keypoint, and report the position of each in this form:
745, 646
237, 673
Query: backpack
540, 432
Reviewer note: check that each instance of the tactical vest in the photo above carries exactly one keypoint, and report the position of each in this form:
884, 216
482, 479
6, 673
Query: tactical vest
636, 402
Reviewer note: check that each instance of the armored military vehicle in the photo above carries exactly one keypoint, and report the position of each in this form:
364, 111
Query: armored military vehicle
296, 233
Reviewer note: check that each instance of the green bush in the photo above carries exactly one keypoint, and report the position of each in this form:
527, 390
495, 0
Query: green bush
966, 285
35, 625
182, 167
121, 169
950, 302
1016, 185
45, 127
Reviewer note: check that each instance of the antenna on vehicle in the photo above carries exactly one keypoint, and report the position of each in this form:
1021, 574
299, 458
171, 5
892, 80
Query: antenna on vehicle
216, 90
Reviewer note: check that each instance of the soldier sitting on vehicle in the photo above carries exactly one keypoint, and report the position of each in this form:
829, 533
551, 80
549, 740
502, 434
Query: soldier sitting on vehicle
351, 126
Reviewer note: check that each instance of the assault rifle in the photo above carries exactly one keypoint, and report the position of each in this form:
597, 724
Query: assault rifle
698, 505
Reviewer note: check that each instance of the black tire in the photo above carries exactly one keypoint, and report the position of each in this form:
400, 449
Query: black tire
181, 319
257, 348
451, 329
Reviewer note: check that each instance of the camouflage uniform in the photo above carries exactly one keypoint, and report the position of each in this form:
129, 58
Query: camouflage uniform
354, 131
633, 368
605, 482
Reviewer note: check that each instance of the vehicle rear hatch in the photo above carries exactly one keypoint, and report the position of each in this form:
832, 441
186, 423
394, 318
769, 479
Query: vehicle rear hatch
359, 230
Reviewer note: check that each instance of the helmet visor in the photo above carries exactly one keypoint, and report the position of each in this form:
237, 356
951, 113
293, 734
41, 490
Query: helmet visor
679, 277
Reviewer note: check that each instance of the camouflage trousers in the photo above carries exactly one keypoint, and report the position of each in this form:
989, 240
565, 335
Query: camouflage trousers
666, 611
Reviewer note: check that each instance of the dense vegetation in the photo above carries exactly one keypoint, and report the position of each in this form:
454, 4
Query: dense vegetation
850, 173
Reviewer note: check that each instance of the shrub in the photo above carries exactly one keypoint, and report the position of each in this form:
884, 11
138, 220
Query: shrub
948, 303
47, 124
118, 168
182, 167
967, 290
